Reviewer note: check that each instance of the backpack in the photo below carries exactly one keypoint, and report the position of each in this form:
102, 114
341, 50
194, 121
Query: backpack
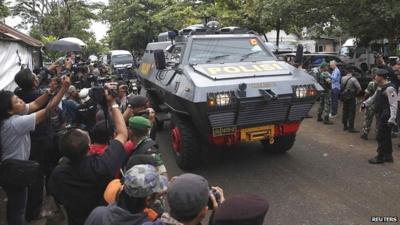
346, 93
142, 155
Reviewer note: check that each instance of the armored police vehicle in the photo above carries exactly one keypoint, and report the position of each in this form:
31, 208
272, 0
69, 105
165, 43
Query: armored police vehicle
222, 87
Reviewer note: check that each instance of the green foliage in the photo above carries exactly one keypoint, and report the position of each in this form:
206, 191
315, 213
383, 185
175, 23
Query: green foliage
4, 11
134, 23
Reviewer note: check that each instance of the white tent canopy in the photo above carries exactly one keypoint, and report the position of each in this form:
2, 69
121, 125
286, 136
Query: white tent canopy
74, 40
10, 55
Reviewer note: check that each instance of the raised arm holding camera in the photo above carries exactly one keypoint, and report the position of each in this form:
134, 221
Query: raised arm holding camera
18, 119
80, 176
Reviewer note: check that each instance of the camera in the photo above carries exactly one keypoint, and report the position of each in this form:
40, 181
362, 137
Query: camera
60, 61
217, 196
97, 93
145, 114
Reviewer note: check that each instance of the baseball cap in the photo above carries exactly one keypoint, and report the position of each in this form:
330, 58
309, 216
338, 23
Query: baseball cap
139, 123
137, 101
84, 94
382, 72
143, 180
187, 195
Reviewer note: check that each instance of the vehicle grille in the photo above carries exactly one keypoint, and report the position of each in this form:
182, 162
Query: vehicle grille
299, 110
222, 119
263, 112
255, 112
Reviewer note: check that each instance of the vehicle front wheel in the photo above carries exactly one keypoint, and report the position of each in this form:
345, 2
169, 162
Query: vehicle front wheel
185, 143
281, 144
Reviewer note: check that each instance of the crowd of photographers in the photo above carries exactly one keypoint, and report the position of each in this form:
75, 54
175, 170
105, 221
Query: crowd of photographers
94, 140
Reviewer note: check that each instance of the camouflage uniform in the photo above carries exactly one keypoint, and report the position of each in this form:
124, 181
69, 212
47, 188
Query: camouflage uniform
370, 111
325, 98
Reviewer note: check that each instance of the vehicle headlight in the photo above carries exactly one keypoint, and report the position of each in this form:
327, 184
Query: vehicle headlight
304, 91
220, 99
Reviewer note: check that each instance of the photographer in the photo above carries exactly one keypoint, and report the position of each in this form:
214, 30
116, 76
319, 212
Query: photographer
188, 196
122, 99
79, 181
17, 120
87, 110
28, 91
60, 65
70, 105
140, 106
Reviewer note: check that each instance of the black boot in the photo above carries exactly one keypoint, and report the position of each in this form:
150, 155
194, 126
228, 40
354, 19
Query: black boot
345, 127
377, 160
388, 158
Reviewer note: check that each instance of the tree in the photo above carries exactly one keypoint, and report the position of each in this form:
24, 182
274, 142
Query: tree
4, 11
32, 12
132, 24
375, 20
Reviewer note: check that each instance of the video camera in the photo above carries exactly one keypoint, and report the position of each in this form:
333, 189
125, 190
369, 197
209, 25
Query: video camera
97, 93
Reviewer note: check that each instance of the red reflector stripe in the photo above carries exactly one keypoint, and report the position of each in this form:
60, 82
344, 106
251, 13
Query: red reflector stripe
289, 128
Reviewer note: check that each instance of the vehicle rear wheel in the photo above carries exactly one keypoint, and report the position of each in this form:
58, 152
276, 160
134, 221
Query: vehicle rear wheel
281, 145
185, 143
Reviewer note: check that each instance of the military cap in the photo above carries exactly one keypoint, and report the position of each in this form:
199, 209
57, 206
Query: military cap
323, 64
242, 209
137, 101
382, 72
143, 180
139, 123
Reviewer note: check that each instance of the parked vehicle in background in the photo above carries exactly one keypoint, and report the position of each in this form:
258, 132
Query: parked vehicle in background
312, 61
121, 62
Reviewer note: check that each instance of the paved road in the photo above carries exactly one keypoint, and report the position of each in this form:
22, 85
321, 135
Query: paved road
325, 179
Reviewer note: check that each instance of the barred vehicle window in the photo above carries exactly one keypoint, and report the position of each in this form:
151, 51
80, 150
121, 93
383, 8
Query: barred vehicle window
227, 50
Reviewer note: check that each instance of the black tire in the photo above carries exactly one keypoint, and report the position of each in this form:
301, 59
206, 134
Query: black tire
159, 125
189, 155
281, 145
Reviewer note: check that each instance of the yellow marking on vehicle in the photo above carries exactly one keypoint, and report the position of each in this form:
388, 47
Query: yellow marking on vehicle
145, 68
243, 69
257, 133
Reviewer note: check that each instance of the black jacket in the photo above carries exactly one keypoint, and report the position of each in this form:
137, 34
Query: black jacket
79, 187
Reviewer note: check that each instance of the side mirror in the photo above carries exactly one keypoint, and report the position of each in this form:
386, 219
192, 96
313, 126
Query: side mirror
171, 35
299, 55
159, 59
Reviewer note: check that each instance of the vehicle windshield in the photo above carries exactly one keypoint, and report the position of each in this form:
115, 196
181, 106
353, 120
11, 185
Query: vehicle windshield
122, 59
226, 50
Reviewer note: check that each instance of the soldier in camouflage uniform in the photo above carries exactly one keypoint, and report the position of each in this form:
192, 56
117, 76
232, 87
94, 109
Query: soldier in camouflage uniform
370, 111
325, 99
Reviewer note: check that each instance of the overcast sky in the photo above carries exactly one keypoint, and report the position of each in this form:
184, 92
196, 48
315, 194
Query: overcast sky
99, 29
